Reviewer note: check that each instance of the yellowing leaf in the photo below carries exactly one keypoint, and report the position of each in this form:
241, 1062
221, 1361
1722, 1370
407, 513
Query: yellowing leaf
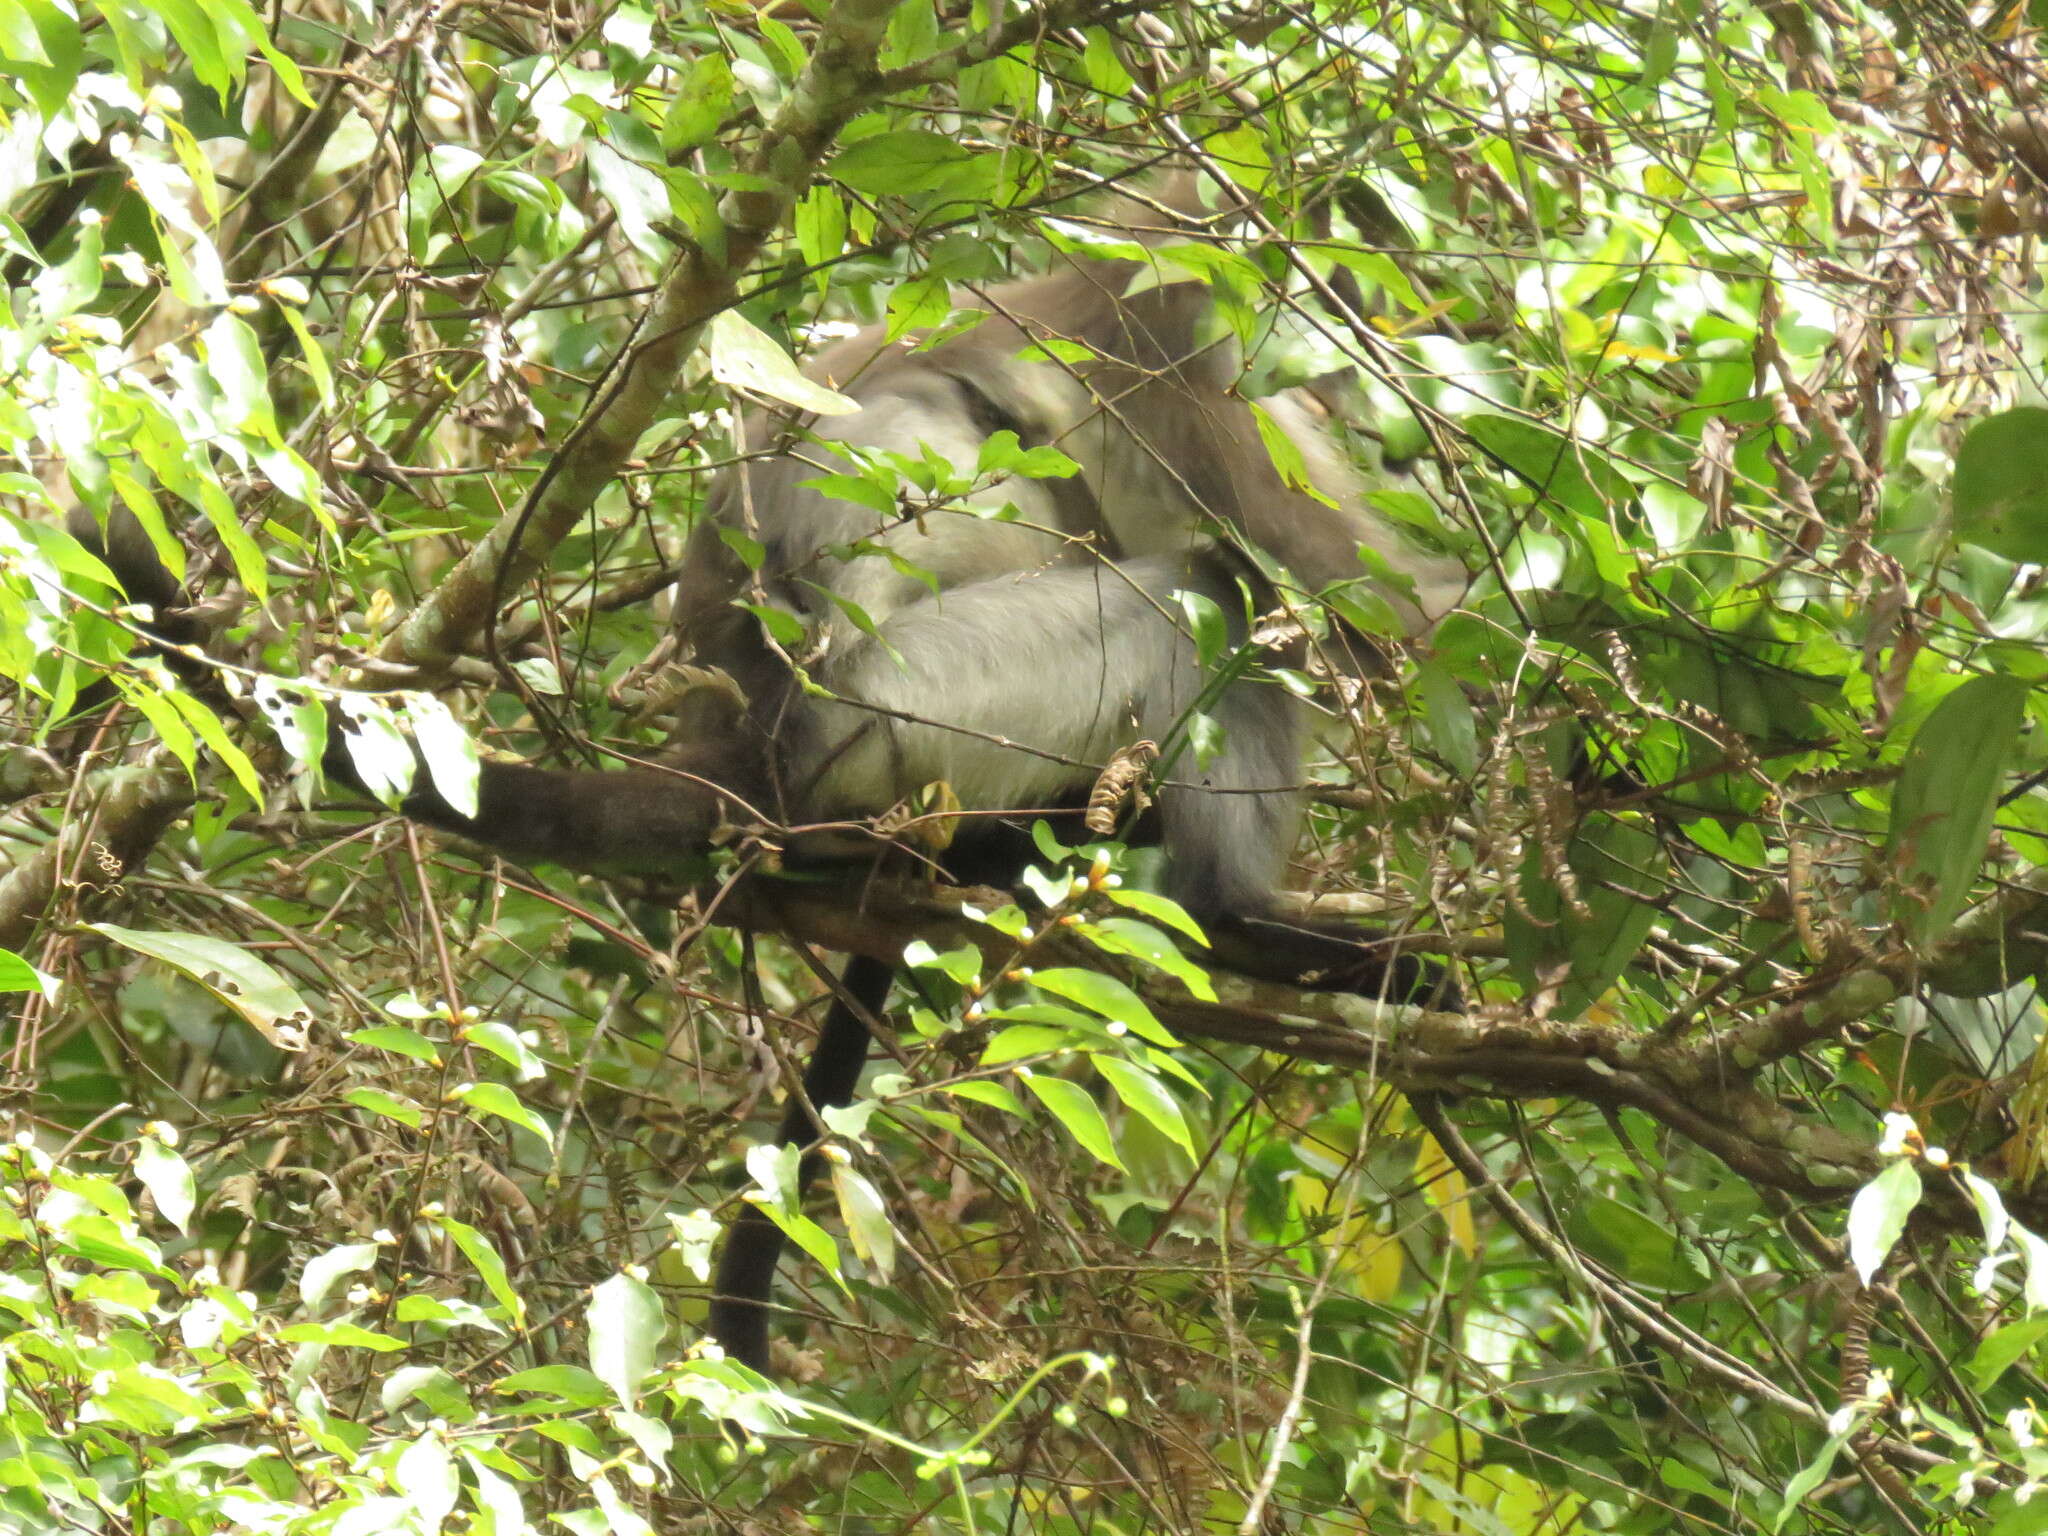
1445, 1186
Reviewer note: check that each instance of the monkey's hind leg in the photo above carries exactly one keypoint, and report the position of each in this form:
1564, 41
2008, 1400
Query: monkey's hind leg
745, 1278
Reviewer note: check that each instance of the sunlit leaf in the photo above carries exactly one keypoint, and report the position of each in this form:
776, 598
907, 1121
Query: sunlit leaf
1878, 1215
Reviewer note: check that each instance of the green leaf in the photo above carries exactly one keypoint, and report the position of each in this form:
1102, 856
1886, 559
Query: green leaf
1161, 909
1106, 996
383, 758
315, 356
495, 1099
699, 105
1022, 1040
340, 1336
250, 569
234, 358
206, 726
245, 983
400, 1040
1074, 1109
895, 164
1878, 1215
2004, 1348
1286, 455
1615, 856
867, 1220
2000, 490
1555, 466
449, 753
981, 1091
1946, 796
389, 1105
426, 1475
747, 357
168, 1178
1636, 1246
961, 965
1002, 454
324, 1270
1144, 1093
1452, 728
627, 1324
17, 975
484, 1260
1143, 942
918, 305
1207, 625
571, 1383
1809, 1477
503, 1042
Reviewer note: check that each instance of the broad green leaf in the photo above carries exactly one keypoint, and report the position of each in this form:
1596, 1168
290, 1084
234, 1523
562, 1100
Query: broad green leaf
1074, 1109
1161, 909
2000, 489
699, 106
246, 984
1878, 1215
495, 1099
1636, 1246
324, 1270
427, 1478
867, 1220
484, 1259
1947, 793
1616, 859
1809, 1477
503, 1042
1452, 728
449, 753
234, 359
981, 1091
746, 357
17, 975
807, 1235
1143, 942
168, 1178
315, 356
1021, 1040
341, 1336
500, 1512
896, 164
388, 1105
961, 965
571, 1383
1106, 996
206, 726
397, 1038
627, 1324
2004, 1348
1554, 466
1145, 1094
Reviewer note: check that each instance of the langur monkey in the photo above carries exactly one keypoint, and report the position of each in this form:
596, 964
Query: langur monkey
1007, 644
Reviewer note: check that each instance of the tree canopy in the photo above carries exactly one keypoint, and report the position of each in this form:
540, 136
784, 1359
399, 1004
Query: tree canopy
363, 1183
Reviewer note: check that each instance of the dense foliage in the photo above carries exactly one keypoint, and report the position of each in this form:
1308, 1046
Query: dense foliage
360, 1183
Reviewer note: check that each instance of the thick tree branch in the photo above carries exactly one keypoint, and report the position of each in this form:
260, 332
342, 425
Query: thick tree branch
1696, 1089
119, 816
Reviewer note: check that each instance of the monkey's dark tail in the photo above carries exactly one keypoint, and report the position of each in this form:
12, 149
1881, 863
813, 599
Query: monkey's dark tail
746, 1266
